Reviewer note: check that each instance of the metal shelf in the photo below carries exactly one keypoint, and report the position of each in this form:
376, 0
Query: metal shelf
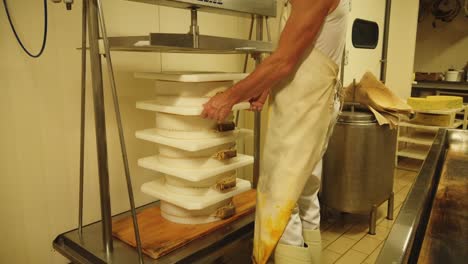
225, 241
229, 7
440, 85
183, 43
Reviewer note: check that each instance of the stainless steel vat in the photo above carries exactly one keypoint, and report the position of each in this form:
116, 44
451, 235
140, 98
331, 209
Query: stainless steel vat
359, 165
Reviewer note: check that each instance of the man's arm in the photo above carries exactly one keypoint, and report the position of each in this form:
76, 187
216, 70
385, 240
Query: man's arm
300, 31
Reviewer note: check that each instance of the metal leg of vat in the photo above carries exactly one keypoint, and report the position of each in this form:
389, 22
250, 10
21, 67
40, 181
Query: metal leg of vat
373, 220
390, 206
323, 210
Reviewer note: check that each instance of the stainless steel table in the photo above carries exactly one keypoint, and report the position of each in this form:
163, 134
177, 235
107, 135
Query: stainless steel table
423, 88
404, 242
232, 244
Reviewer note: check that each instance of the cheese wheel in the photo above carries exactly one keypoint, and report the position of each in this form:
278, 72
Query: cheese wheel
207, 183
187, 127
436, 102
201, 89
183, 123
181, 101
203, 159
176, 153
180, 215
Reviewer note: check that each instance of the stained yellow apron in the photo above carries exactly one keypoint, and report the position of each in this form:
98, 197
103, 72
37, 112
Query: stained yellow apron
299, 123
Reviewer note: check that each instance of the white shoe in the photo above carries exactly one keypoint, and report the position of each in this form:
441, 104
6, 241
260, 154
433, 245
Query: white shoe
313, 239
287, 254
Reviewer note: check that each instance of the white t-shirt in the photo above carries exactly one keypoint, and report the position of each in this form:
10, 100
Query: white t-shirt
332, 37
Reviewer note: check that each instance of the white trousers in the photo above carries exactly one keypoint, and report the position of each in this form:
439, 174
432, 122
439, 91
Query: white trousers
306, 214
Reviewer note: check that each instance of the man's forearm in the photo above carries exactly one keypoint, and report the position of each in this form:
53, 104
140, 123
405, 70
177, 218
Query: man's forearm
265, 76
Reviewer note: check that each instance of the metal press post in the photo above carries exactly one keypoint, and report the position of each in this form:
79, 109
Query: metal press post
384, 60
84, 26
100, 124
194, 29
123, 146
354, 96
258, 115
246, 59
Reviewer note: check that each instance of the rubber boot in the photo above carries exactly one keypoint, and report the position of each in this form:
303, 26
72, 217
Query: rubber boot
314, 240
287, 254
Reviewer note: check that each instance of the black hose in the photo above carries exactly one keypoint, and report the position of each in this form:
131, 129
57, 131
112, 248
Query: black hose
44, 40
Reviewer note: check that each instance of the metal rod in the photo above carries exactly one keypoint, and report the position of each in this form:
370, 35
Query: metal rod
343, 60
121, 132
100, 126
373, 220
194, 29
83, 115
391, 202
252, 20
383, 69
267, 26
258, 115
354, 96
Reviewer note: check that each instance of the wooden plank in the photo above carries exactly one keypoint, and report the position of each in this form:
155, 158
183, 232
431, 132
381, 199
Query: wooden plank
456, 124
446, 237
414, 151
416, 140
428, 119
409, 164
160, 237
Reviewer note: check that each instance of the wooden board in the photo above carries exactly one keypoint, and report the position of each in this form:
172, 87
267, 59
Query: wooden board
446, 237
160, 237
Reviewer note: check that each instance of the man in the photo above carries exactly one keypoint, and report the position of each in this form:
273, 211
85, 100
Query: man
301, 76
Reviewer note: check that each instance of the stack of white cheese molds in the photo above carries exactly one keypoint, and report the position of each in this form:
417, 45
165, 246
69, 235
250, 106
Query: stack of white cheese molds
196, 157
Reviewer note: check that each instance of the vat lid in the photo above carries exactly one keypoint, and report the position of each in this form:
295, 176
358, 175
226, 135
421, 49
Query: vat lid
356, 117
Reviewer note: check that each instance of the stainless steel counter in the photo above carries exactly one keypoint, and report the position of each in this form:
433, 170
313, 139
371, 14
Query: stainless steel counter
424, 88
462, 86
406, 237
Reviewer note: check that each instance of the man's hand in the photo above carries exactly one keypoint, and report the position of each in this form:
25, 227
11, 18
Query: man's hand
256, 104
219, 107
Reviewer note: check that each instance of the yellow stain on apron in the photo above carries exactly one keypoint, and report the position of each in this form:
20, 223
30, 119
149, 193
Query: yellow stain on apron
301, 111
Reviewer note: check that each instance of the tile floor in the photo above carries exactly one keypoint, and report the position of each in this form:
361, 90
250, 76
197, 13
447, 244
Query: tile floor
345, 238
